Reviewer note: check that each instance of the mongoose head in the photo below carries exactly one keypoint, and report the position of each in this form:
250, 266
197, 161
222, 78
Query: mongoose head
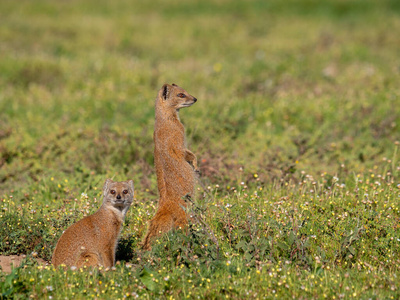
118, 194
175, 97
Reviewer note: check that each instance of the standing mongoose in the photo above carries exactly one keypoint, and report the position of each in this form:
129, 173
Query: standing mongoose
93, 240
175, 165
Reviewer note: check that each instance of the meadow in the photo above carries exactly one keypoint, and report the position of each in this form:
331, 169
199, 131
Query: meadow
296, 129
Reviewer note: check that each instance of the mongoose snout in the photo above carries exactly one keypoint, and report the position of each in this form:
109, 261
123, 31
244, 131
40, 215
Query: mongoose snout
189, 102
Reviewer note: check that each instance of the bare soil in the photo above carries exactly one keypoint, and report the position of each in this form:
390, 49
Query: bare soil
7, 262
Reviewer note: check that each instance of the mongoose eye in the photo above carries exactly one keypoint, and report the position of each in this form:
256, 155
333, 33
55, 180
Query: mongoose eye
181, 95
112, 192
125, 192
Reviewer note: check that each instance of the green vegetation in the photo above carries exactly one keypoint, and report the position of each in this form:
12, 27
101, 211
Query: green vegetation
296, 130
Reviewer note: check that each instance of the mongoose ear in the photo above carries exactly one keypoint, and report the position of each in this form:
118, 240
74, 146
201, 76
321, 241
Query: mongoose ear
174, 84
106, 184
165, 91
130, 182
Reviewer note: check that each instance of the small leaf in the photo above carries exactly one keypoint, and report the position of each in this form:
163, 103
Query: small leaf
241, 244
263, 248
248, 256
283, 246
7, 293
291, 238
319, 270
147, 280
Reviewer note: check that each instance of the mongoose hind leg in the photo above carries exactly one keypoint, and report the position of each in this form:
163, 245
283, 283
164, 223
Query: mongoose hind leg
89, 259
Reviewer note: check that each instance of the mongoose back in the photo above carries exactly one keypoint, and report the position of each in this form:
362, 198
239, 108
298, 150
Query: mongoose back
93, 240
175, 164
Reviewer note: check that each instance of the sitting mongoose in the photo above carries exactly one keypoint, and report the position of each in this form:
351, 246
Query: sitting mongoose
93, 240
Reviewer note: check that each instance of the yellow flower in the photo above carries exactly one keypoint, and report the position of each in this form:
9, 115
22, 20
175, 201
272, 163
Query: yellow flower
217, 67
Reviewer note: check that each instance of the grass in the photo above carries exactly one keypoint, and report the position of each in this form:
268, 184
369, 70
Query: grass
296, 130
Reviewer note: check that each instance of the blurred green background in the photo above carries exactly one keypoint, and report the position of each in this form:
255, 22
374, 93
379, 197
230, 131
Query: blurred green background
283, 86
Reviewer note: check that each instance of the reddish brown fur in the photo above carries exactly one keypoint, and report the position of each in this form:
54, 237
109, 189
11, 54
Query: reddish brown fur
175, 165
93, 240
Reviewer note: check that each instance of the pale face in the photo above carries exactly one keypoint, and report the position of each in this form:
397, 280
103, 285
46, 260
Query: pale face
176, 97
119, 194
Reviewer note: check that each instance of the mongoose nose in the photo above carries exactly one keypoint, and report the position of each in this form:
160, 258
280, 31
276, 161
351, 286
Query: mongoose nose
119, 197
194, 99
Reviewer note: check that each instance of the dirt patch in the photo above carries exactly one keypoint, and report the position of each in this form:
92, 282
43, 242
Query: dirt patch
9, 261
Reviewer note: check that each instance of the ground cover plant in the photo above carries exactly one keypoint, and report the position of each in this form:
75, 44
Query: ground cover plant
296, 130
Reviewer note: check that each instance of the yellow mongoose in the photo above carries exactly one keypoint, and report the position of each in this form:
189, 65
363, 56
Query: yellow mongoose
175, 165
93, 240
